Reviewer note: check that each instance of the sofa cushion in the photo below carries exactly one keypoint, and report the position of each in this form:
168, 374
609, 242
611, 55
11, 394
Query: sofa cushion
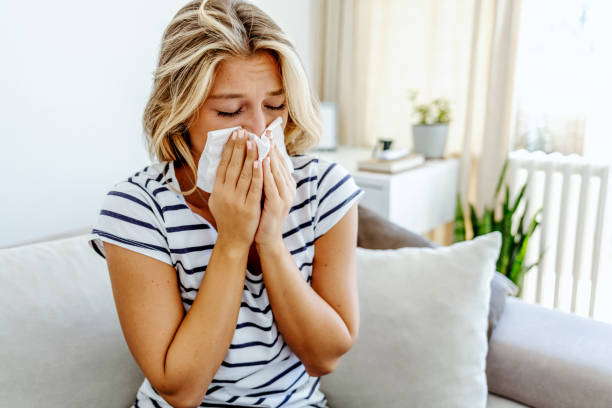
496, 401
62, 344
376, 232
548, 358
422, 339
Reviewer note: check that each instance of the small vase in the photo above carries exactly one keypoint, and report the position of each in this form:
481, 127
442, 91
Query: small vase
430, 140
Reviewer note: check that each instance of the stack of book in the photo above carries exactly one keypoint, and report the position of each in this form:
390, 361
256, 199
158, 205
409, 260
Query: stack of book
391, 166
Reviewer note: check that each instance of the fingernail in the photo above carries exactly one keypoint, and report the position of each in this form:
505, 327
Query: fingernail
234, 135
248, 145
256, 164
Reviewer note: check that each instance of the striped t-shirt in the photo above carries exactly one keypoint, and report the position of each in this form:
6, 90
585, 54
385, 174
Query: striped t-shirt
259, 369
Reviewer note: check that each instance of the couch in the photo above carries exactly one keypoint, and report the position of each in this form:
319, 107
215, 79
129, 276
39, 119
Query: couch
62, 345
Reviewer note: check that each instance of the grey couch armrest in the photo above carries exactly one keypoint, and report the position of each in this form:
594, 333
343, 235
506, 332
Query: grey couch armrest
548, 358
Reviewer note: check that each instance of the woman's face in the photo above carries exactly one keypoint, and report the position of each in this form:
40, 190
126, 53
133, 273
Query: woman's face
247, 92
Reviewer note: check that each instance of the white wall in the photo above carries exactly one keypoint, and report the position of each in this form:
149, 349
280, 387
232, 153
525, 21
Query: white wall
74, 80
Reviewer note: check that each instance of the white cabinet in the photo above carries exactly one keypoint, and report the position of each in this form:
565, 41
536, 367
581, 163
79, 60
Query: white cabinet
419, 199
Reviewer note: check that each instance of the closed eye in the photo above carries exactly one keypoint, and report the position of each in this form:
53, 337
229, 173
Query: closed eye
229, 114
239, 111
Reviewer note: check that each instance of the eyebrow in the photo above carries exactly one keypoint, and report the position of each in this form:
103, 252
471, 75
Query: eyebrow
234, 95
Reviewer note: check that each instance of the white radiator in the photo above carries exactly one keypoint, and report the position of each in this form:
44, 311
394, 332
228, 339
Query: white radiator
572, 193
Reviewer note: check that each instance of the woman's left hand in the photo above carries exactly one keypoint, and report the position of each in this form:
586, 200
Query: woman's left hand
279, 191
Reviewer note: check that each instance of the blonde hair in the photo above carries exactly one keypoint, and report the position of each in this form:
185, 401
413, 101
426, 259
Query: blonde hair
199, 37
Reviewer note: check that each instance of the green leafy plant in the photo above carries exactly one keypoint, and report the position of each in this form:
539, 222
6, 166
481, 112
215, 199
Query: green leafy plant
511, 260
436, 112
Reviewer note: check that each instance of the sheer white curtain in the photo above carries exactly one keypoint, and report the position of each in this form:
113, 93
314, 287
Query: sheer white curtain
373, 52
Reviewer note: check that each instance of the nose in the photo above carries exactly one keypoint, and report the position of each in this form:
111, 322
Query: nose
255, 122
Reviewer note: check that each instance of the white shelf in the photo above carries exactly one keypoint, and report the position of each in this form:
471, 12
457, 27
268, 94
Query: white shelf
419, 199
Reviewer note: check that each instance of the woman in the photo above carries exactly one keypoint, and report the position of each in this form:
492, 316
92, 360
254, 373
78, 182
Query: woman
244, 296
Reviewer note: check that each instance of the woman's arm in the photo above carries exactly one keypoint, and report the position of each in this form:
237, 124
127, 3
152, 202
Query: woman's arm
319, 323
179, 353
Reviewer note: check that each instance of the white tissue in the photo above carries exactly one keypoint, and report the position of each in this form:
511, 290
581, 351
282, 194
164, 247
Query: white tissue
216, 140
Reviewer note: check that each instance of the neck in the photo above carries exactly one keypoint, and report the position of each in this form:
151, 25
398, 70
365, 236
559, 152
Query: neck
184, 176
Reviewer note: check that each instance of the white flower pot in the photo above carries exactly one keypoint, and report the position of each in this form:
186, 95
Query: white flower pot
430, 140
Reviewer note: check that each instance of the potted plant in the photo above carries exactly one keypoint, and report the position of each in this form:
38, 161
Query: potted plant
430, 131
511, 258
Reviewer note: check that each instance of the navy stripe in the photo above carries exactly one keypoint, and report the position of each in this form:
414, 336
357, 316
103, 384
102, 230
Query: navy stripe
255, 343
213, 389
132, 221
305, 264
315, 160
95, 247
259, 401
230, 381
187, 227
286, 398
251, 324
314, 386
281, 375
155, 404
281, 390
303, 203
305, 180
302, 249
136, 403
232, 399
192, 270
331, 166
254, 280
249, 363
336, 208
185, 288
298, 228
218, 404
131, 198
175, 207
334, 188
152, 198
159, 190
253, 294
256, 309
132, 242
191, 249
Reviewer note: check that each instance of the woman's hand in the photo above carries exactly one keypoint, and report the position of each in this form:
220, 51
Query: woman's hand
235, 201
279, 192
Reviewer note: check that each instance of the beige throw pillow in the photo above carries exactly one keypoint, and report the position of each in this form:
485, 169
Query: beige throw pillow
422, 339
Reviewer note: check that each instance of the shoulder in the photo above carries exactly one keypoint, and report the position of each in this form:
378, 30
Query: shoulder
132, 215
328, 185
317, 168
151, 179
142, 190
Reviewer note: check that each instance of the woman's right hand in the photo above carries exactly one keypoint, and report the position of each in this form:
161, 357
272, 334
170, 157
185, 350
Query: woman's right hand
235, 202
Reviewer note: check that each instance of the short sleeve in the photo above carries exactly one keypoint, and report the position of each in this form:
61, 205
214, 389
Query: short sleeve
129, 218
336, 194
